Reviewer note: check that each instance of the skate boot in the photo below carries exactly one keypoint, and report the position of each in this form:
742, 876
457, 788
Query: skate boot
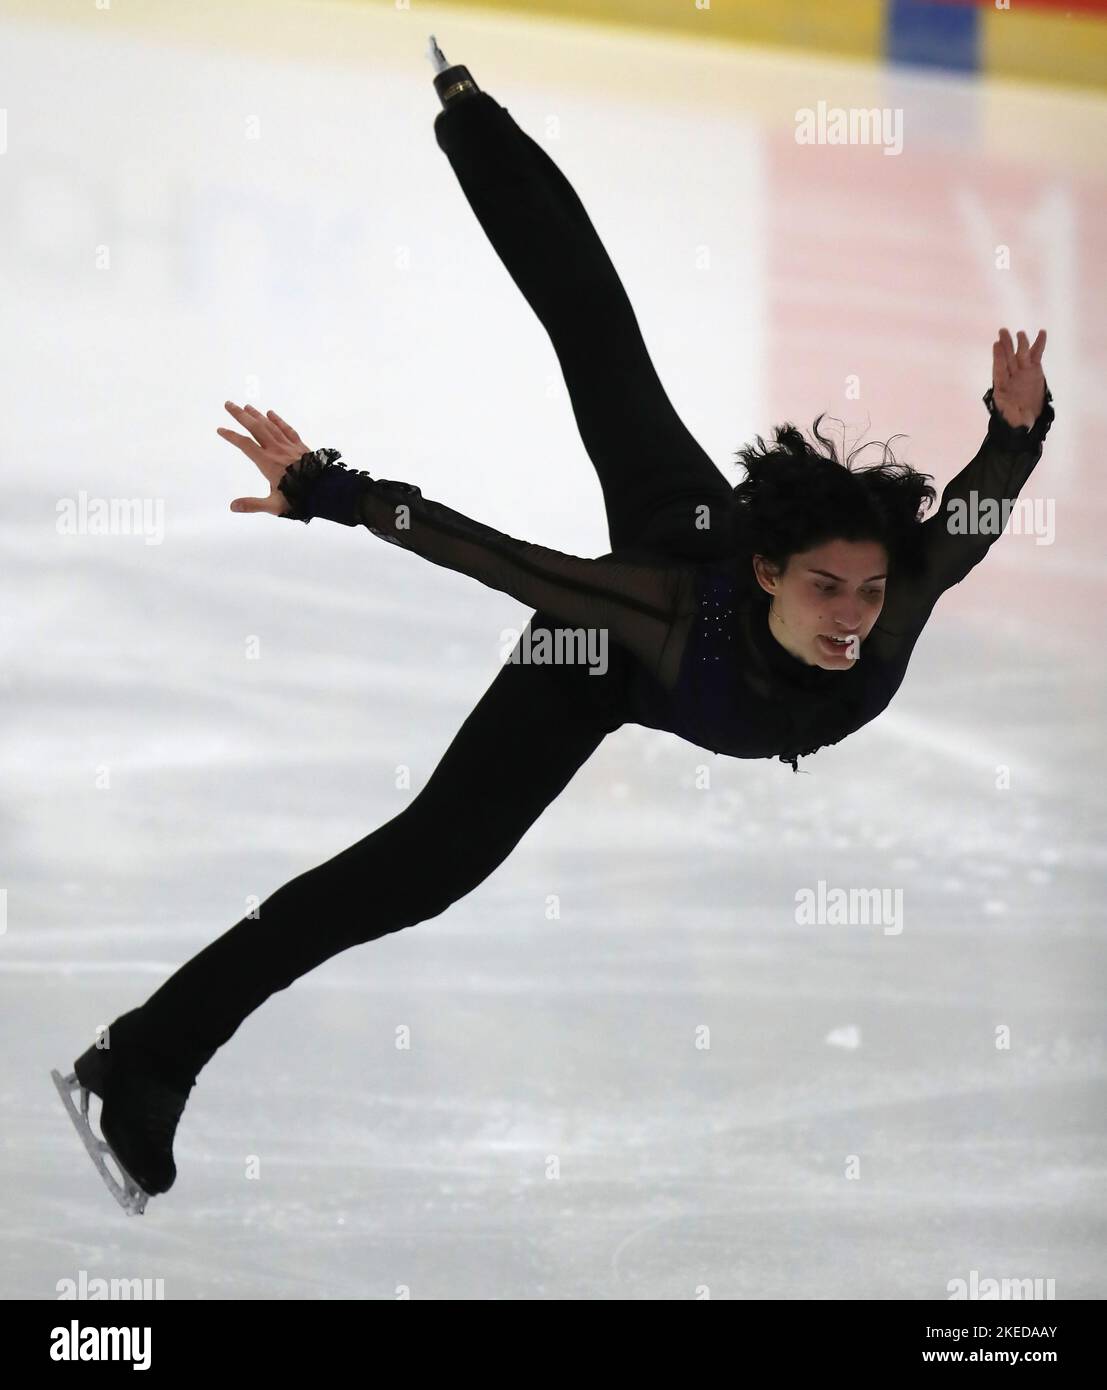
453, 81
141, 1106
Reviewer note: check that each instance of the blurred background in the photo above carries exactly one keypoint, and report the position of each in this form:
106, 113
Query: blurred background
245, 201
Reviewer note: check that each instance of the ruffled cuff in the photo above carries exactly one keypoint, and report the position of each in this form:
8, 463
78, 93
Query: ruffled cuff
317, 484
1016, 437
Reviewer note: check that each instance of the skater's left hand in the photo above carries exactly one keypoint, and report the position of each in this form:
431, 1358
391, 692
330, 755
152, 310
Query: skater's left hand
1018, 382
275, 445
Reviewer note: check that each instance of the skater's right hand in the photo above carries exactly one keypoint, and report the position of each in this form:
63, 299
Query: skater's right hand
1018, 382
274, 446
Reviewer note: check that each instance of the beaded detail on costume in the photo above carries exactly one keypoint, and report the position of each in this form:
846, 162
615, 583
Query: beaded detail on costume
716, 623
740, 692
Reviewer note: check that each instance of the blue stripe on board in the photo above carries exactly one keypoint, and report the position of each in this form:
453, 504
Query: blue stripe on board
933, 35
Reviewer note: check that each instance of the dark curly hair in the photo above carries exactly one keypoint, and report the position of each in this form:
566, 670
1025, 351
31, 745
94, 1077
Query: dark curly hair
796, 496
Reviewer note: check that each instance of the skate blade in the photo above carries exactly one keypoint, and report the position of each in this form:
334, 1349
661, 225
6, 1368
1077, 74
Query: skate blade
130, 1196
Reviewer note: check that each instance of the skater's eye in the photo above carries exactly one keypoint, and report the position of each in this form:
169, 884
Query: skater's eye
829, 589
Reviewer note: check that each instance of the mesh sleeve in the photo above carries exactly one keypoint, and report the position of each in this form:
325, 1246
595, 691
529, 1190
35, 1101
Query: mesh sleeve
648, 609
973, 510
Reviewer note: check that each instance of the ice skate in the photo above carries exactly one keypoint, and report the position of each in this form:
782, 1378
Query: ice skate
453, 81
139, 1114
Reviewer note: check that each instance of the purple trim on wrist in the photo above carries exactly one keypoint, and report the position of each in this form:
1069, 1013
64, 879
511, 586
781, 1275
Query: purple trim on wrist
318, 484
333, 496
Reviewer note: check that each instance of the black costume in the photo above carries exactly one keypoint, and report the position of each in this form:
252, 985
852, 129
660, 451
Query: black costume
690, 649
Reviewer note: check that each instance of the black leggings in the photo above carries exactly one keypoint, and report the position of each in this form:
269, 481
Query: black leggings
536, 724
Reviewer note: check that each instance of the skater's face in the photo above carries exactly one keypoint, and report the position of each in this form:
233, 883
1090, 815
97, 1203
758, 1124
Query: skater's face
834, 590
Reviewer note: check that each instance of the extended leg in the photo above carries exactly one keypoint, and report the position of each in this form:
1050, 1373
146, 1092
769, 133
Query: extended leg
644, 455
514, 754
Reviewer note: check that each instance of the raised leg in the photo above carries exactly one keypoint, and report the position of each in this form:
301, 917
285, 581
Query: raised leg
645, 457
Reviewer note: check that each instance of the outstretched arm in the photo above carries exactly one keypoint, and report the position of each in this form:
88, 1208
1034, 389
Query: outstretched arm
975, 505
647, 609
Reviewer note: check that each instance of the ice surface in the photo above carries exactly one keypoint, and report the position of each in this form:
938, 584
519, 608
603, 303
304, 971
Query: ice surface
191, 218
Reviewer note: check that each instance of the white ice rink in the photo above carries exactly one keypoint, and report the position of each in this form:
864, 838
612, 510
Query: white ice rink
198, 206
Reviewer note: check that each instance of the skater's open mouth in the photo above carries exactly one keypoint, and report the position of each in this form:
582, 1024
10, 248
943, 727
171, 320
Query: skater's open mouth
837, 645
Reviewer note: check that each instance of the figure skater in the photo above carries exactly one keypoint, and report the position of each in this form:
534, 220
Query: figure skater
763, 620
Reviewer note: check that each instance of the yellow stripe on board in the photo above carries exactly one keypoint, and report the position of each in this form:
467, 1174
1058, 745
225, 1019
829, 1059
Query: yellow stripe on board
1069, 50
853, 28
1046, 48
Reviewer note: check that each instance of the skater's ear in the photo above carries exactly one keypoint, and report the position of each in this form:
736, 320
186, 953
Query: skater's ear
768, 573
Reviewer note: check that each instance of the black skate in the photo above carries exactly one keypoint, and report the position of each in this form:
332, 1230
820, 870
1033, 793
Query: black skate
139, 1114
453, 81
